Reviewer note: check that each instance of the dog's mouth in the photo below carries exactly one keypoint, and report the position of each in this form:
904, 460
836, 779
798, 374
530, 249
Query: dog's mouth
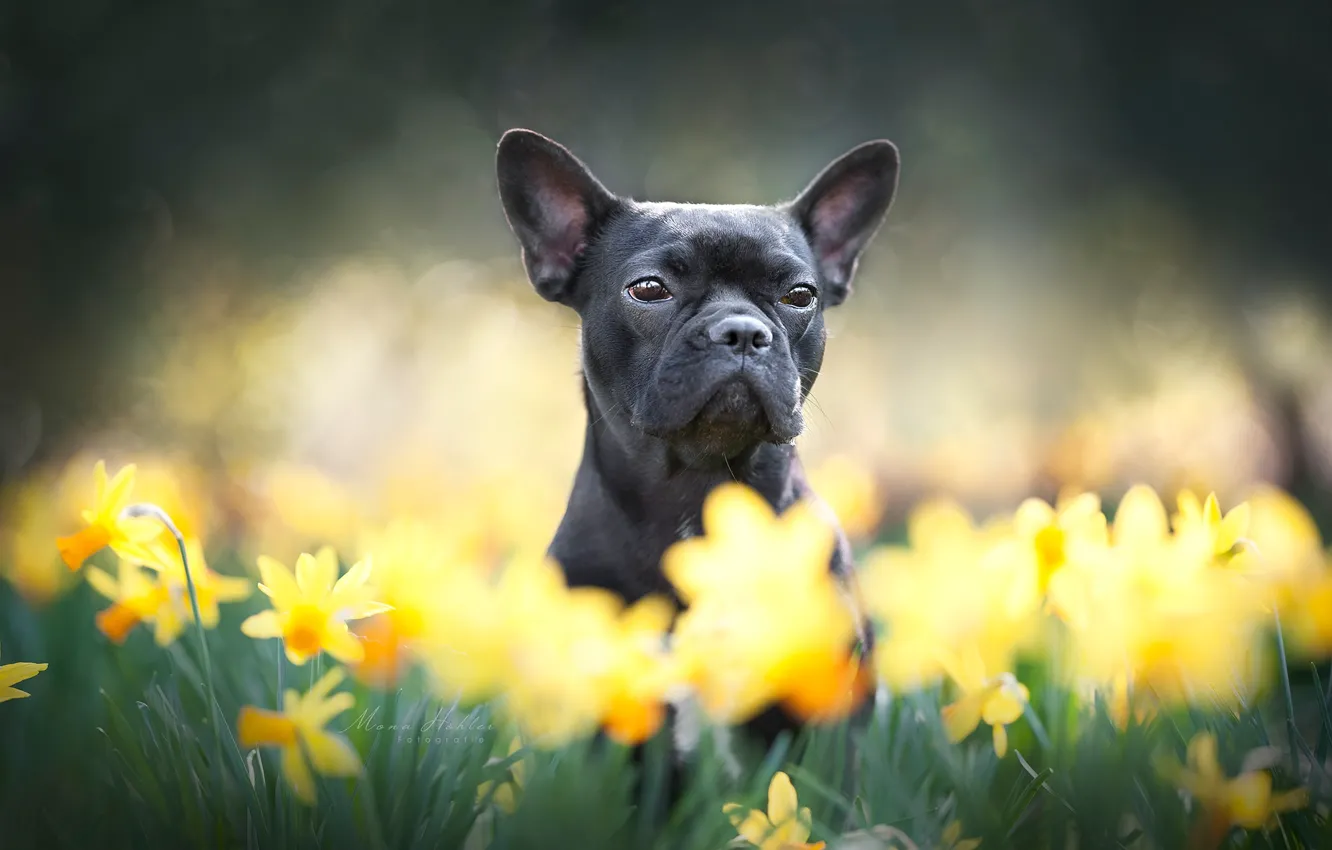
735, 404
733, 420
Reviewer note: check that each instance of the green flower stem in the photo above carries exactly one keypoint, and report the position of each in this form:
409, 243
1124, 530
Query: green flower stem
146, 509
1292, 732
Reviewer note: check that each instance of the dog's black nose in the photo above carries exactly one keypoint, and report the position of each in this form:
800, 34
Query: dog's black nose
742, 334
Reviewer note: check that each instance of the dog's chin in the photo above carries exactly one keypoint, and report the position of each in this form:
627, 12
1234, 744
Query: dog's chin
731, 422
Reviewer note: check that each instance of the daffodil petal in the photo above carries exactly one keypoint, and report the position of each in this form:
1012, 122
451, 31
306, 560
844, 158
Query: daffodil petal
231, 588
259, 727
103, 583
328, 709
265, 624
278, 583
332, 755
340, 643
361, 610
752, 825
962, 717
1249, 798
297, 772
116, 494
782, 801
734, 509
12, 674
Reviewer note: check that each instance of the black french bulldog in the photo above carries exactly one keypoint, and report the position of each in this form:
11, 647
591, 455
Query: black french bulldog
702, 334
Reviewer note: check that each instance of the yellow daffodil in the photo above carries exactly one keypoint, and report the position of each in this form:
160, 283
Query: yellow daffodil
784, 826
311, 608
210, 588
997, 700
1307, 614
105, 525
1141, 523
952, 838
581, 660
642, 673
412, 562
159, 595
509, 789
139, 596
1055, 533
12, 674
766, 620
1286, 542
1173, 627
1245, 801
851, 491
299, 731
954, 586
1202, 524
559, 661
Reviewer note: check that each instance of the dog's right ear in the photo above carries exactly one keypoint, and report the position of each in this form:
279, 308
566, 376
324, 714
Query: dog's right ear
553, 202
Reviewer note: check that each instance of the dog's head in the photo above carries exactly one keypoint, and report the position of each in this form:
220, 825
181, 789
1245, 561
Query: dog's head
702, 324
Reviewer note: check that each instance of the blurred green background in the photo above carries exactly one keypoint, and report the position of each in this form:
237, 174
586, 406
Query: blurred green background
249, 230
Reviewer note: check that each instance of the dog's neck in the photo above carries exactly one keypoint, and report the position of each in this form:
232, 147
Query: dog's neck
652, 496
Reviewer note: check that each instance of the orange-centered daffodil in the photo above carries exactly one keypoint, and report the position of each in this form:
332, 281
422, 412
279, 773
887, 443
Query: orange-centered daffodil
311, 608
299, 731
105, 524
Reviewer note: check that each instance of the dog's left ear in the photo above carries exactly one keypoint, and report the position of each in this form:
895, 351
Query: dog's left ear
842, 208
553, 203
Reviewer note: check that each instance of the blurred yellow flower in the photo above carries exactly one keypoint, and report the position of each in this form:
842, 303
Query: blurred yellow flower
1245, 801
1285, 536
952, 587
412, 562
559, 661
31, 515
161, 596
1141, 524
311, 608
1202, 524
642, 674
851, 490
506, 791
105, 525
1307, 613
12, 674
299, 731
784, 826
210, 588
997, 700
766, 620
952, 838
1055, 533
137, 598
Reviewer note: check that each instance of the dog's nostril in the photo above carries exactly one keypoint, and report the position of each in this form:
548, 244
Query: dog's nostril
741, 334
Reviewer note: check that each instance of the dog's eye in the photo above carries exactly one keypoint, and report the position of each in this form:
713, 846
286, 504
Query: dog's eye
800, 296
648, 290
